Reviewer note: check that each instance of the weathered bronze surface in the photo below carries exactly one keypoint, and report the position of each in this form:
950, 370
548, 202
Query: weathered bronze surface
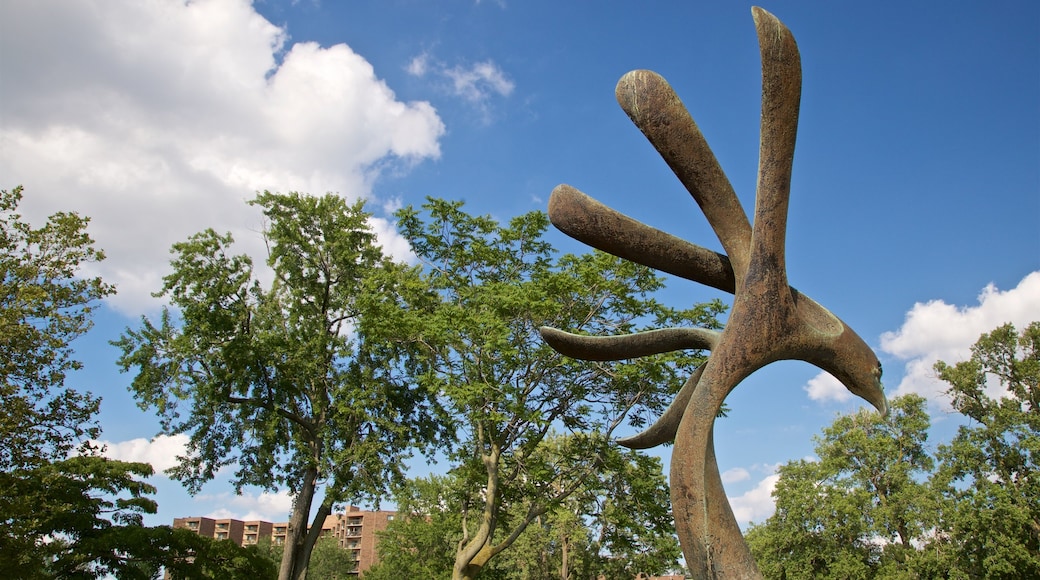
769, 320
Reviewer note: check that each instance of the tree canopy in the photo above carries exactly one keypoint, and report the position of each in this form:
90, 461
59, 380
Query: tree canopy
879, 503
291, 382
66, 511
989, 475
44, 305
617, 527
496, 284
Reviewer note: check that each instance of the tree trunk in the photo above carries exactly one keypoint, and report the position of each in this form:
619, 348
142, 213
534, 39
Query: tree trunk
473, 554
295, 537
303, 558
565, 543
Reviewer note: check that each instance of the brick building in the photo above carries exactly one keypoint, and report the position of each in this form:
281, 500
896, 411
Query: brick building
354, 530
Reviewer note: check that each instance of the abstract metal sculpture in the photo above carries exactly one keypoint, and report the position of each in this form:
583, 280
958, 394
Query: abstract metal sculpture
769, 320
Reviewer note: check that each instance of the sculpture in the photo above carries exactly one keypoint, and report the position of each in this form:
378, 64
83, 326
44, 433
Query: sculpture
769, 320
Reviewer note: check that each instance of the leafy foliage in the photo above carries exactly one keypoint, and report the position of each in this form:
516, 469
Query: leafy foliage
292, 383
878, 504
44, 305
861, 503
496, 285
616, 530
990, 473
330, 562
65, 511
421, 542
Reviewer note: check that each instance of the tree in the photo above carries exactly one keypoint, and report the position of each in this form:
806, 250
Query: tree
66, 511
877, 505
619, 525
331, 562
422, 540
65, 518
44, 305
618, 530
989, 473
293, 384
631, 520
861, 510
52, 511
497, 285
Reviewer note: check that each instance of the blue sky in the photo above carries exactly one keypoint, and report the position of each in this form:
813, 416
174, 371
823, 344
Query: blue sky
916, 189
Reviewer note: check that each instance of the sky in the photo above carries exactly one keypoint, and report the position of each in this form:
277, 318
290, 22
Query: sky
915, 196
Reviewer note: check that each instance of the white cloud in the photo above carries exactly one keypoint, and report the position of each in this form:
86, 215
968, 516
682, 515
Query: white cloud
419, 65
938, 331
735, 474
756, 504
824, 387
159, 119
476, 83
272, 507
161, 451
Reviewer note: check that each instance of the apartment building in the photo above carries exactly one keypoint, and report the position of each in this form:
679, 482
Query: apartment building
354, 530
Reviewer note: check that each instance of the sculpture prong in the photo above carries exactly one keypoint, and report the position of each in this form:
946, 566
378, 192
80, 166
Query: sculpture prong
604, 348
655, 108
589, 221
781, 95
663, 430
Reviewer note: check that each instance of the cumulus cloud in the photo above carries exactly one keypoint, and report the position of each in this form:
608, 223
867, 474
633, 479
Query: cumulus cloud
824, 387
272, 507
159, 119
735, 474
475, 84
161, 452
936, 330
756, 504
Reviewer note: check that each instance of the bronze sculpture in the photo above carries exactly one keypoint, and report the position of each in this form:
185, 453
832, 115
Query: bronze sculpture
769, 320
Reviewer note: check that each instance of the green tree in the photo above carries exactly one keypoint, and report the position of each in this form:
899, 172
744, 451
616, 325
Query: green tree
619, 525
989, 473
69, 517
631, 524
186, 555
422, 540
331, 562
617, 530
859, 511
294, 383
498, 284
44, 305
66, 511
